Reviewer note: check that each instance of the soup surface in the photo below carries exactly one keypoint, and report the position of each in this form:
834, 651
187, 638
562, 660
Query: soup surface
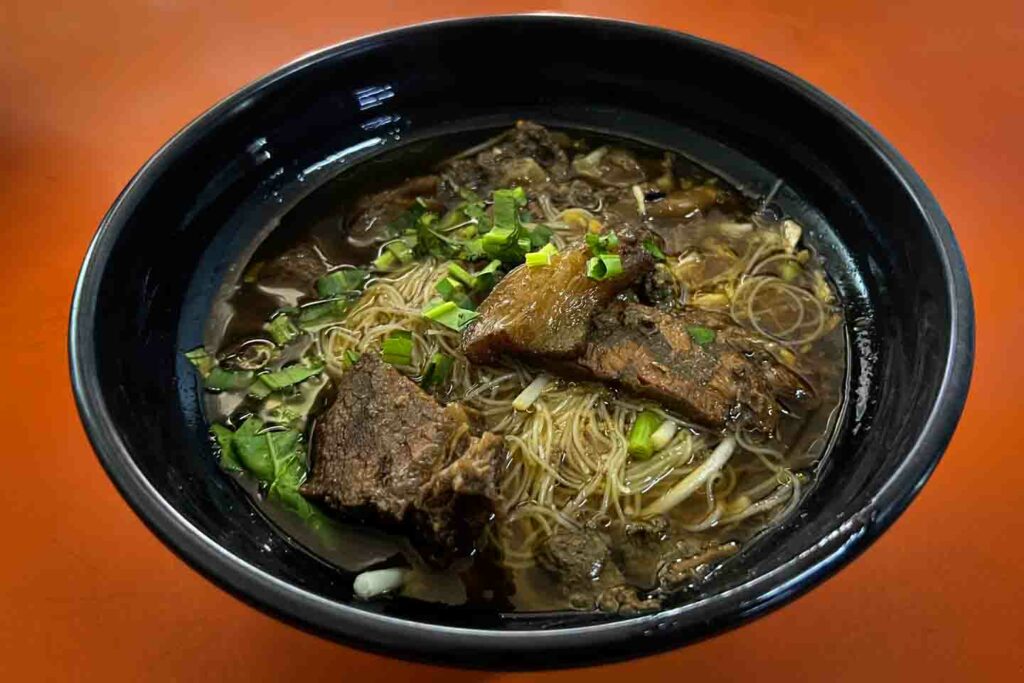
548, 372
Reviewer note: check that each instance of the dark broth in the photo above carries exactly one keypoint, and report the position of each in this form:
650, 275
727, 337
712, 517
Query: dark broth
322, 223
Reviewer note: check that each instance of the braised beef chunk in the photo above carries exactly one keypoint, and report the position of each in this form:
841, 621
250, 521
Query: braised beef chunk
374, 212
639, 545
388, 452
298, 268
529, 154
458, 501
544, 313
683, 203
697, 362
580, 560
660, 289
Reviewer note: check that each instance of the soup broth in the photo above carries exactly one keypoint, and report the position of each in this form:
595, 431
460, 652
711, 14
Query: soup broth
634, 423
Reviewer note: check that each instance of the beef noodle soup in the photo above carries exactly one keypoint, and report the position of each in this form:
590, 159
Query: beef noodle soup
549, 372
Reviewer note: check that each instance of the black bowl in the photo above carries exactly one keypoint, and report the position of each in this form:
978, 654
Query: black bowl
210, 194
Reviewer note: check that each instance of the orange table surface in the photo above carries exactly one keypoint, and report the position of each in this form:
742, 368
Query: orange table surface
89, 91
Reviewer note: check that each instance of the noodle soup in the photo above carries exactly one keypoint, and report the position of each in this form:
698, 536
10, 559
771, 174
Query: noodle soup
642, 365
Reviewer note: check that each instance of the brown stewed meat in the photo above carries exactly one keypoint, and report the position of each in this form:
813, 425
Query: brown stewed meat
387, 451
299, 267
544, 313
698, 362
528, 155
373, 213
581, 561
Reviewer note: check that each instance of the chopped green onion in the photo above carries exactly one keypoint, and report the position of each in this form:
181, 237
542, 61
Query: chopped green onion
341, 281
408, 219
701, 336
528, 396
385, 261
438, 370
397, 348
472, 250
604, 266
499, 237
646, 424
220, 379
664, 434
449, 288
524, 244
453, 219
320, 312
653, 249
281, 329
259, 390
452, 290
541, 257
290, 375
488, 277
449, 314
540, 235
460, 274
402, 249
201, 360
350, 357
477, 212
506, 208
395, 252
468, 232
602, 244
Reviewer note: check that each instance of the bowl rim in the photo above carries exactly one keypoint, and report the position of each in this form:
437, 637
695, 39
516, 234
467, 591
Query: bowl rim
528, 648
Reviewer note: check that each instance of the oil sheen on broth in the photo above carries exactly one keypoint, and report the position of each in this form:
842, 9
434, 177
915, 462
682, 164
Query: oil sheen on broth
547, 371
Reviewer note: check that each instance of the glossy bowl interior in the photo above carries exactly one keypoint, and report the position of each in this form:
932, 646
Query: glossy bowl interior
205, 199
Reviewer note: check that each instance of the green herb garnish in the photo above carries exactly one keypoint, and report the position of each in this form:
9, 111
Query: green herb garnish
461, 275
604, 266
653, 249
701, 336
397, 348
220, 379
321, 312
541, 257
277, 459
602, 244
449, 314
646, 424
286, 377
201, 360
340, 282
488, 277
438, 370
281, 329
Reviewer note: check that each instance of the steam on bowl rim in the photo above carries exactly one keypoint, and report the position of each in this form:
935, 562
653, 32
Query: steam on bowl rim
519, 648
